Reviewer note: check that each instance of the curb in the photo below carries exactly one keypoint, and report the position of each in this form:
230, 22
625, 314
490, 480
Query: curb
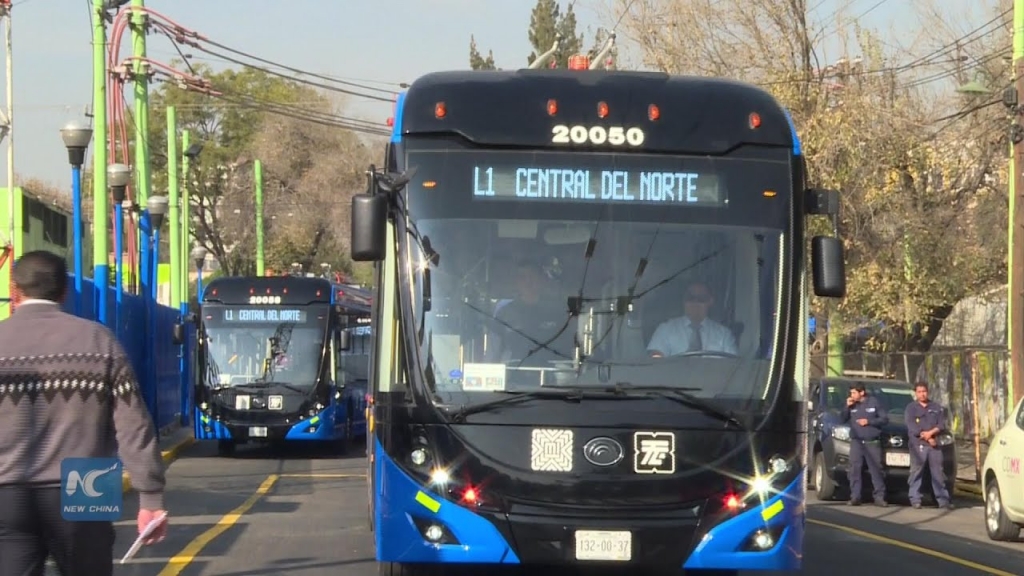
969, 490
169, 455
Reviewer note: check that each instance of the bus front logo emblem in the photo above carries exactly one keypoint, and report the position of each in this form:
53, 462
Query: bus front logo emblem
551, 450
654, 452
275, 403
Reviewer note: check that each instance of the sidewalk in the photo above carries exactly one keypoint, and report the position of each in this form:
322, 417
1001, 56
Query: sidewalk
967, 467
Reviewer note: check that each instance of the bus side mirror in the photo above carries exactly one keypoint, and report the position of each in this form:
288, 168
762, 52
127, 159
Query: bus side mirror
344, 341
369, 227
178, 334
828, 267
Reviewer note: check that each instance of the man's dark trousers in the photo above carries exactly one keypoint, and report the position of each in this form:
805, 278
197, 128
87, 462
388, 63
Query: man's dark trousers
866, 452
924, 456
31, 528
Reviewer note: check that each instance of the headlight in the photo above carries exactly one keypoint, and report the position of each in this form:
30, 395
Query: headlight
841, 433
944, 439
776, 472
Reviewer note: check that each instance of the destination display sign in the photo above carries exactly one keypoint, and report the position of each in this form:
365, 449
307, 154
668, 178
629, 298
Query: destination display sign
635, 185
264, 315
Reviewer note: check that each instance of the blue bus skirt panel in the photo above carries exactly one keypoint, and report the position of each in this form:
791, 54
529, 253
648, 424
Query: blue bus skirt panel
324, 422
324, 427
720, 548
217, 430
399, 498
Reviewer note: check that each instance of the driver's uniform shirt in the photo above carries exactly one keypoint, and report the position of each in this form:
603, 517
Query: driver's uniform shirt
672, 337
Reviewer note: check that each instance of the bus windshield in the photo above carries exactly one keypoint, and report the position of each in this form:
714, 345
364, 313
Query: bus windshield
245, 344
555, 269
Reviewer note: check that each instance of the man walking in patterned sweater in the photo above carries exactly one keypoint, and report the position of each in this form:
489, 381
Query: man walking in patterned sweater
67, 390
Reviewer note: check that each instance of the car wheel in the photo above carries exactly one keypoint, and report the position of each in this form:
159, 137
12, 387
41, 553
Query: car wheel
997, 524
824, 487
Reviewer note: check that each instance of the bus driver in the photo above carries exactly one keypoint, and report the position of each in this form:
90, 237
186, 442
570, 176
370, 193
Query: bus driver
694, 331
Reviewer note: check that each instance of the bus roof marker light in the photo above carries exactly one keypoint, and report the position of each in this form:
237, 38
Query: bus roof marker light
653, 112
552, 107
602, 110
579, 62
440, 110
754, 120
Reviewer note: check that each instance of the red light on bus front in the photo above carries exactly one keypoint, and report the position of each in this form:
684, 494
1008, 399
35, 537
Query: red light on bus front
252, 291
440, 110
653, 112
602, 110
390, 122
284, 290
470, 496
755, 120
732, 502
552, 107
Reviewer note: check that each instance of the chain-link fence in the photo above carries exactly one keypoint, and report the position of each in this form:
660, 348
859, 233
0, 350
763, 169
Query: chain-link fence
971, 383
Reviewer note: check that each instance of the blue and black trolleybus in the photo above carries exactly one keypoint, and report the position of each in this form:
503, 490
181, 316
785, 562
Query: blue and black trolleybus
267, 362
590, 341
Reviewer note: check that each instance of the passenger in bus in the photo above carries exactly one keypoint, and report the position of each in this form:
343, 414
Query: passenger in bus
530, 319
694, 331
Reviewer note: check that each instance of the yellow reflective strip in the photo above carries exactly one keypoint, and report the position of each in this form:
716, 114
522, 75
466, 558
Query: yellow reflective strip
204, 419
771, 511
314, 419
428, 502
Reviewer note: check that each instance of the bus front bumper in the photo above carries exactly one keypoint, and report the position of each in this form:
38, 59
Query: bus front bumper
410, 519
318, 427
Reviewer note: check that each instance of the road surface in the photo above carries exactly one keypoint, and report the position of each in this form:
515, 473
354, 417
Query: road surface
304, 514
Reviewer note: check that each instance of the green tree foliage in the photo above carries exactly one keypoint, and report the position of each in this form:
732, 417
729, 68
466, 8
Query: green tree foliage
548, 22
476, 60
309, 170
924, 209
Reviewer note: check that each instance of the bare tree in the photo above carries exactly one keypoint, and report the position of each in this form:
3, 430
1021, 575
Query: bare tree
920, 191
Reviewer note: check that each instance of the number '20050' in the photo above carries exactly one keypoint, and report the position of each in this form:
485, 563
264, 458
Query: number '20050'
613, 135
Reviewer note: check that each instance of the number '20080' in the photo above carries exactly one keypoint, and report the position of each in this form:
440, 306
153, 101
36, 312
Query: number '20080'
613, 135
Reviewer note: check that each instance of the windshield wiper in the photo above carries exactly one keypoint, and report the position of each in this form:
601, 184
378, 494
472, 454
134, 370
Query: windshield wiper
263, 385
571, 394
682, 396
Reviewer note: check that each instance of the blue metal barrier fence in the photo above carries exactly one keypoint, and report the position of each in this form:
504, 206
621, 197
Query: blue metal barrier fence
149, 343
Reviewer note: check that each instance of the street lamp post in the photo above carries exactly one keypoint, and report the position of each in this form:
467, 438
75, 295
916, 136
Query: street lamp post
156, 207
151, 220
76, 139
118, 178
198, 255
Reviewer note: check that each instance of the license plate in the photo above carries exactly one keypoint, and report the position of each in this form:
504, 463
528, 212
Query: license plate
898, 459
258, 431
604, 545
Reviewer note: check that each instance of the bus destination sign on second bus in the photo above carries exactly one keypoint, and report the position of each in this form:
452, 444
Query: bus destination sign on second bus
657, 187
261, 315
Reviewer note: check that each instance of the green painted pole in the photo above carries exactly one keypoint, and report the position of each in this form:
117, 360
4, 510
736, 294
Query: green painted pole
259, 218
144, 181
1015, 229
186, 218
174, 258
100, 209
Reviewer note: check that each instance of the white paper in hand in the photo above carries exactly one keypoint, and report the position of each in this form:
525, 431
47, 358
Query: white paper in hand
153, 525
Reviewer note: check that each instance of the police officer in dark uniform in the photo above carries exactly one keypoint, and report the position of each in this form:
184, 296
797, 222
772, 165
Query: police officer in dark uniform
866, 416
925, 420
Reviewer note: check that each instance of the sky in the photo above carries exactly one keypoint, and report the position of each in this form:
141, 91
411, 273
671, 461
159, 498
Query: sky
379, 41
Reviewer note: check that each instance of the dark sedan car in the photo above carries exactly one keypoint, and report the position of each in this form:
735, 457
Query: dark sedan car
829, 439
